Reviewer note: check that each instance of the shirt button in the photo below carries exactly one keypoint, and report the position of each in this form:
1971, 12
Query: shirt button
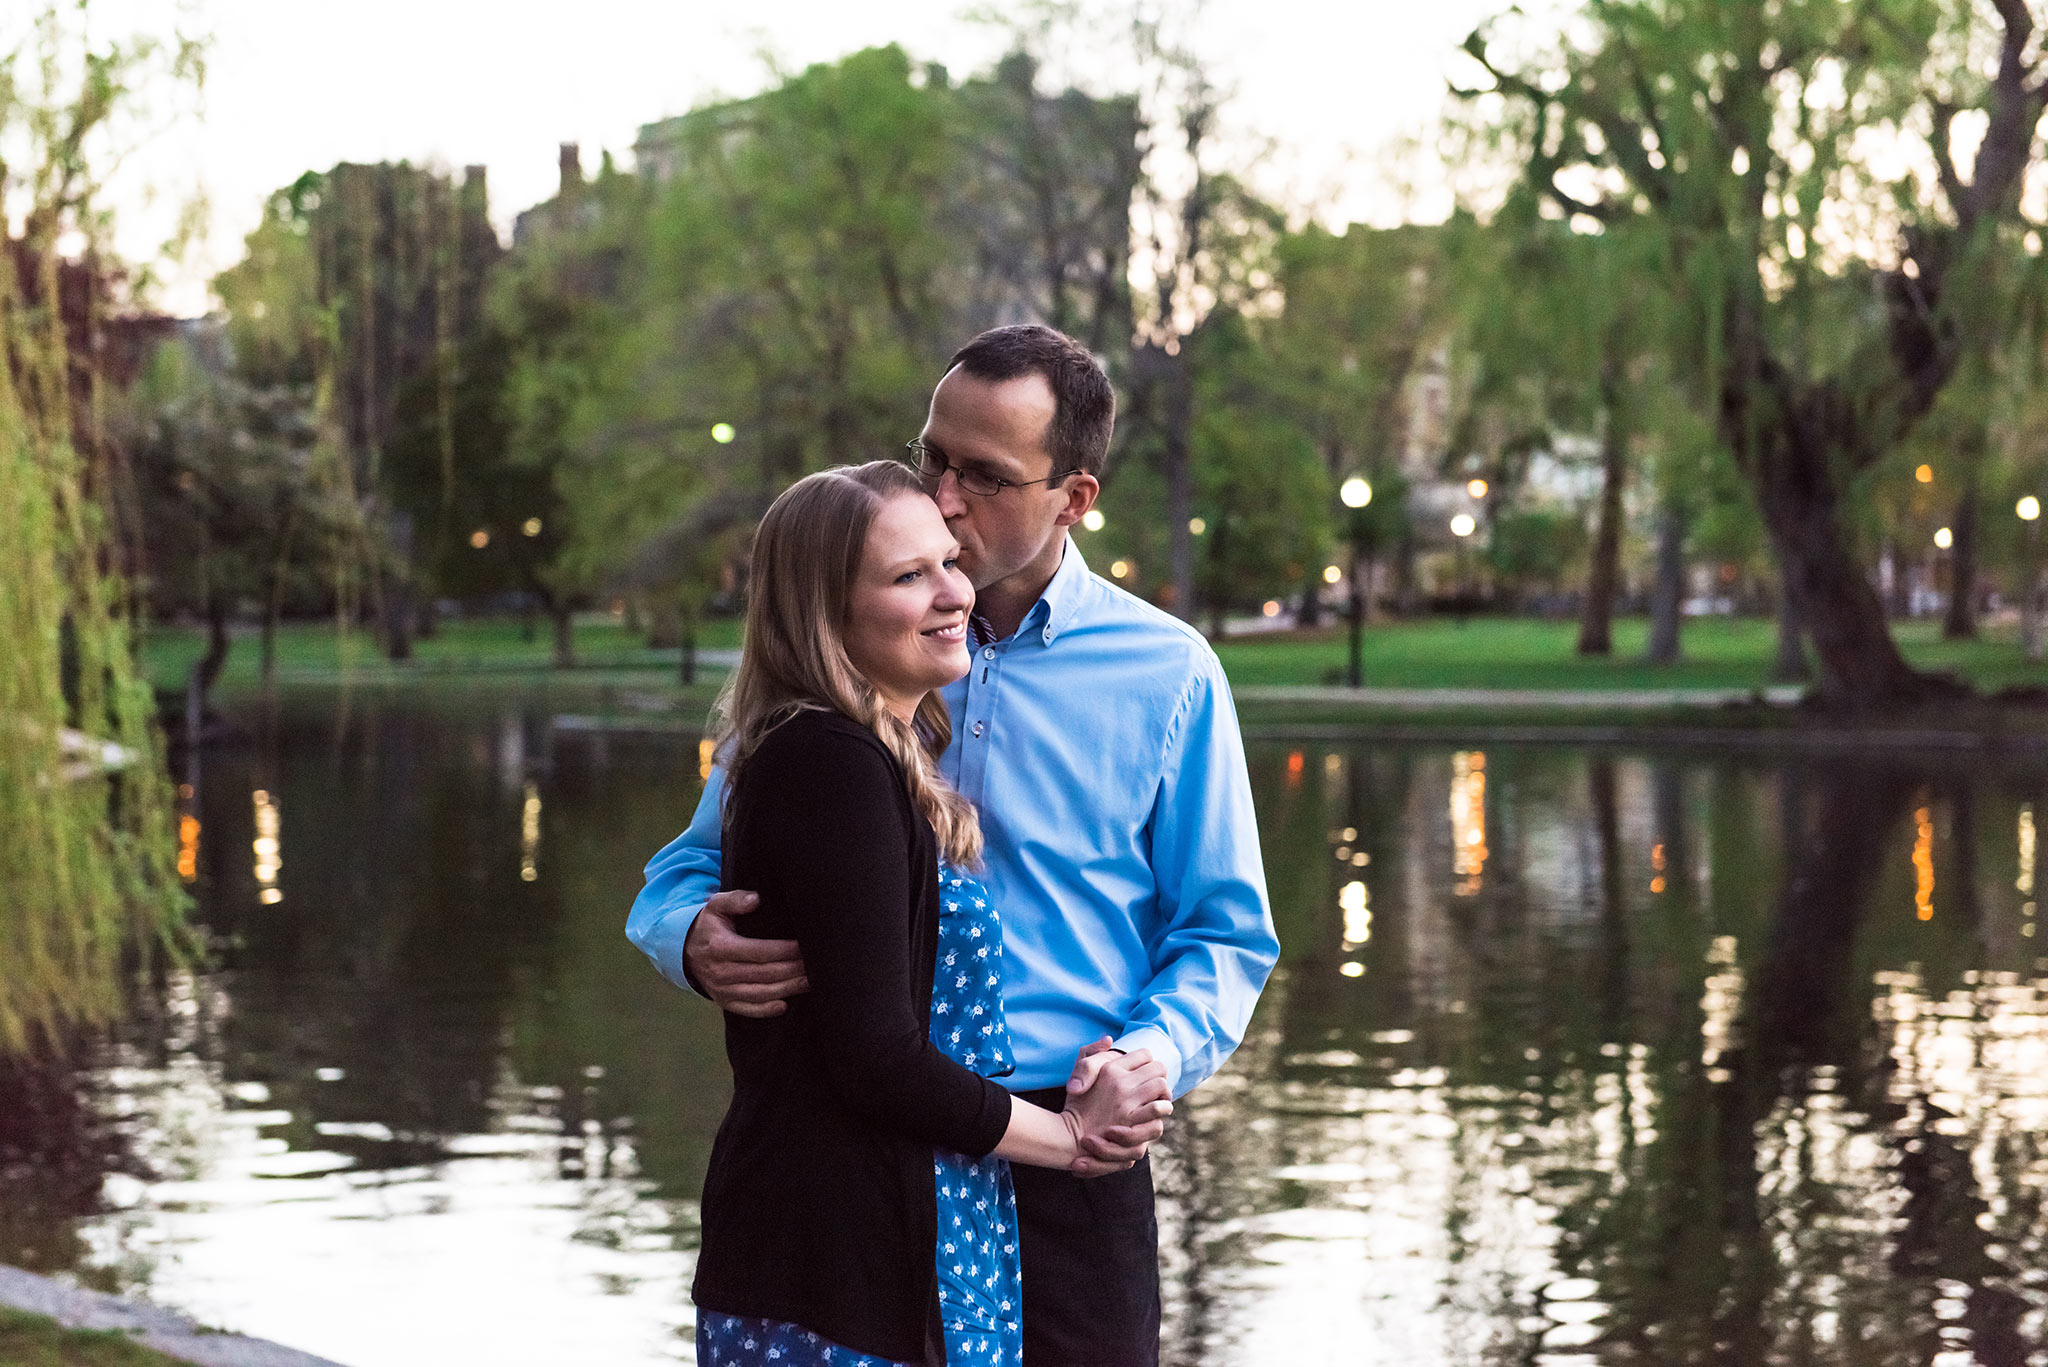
977, 730
988, 652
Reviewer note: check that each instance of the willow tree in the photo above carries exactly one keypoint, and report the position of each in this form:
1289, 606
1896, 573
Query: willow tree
1837, 183
86, 863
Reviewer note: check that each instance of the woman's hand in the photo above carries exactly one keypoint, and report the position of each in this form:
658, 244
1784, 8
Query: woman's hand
1117, 1105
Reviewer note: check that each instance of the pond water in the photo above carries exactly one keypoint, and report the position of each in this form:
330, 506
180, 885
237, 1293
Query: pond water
1572, 1057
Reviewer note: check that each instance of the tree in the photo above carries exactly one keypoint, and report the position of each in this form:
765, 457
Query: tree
86, 860
1261, 492
230, 502
1833, 297
1365, 312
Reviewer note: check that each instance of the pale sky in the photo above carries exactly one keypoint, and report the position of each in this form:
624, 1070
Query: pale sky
294, 86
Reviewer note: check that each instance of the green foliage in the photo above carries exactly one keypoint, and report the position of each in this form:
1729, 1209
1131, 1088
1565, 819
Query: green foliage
1260, 486
800, 269
1537, 546
1829, 257
86, 856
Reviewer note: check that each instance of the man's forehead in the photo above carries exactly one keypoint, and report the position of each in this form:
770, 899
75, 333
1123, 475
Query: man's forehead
990, 420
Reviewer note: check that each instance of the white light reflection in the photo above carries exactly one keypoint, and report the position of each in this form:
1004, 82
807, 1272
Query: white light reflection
1720, 1006
534, 1218
529, 834
269, 854
1355, 901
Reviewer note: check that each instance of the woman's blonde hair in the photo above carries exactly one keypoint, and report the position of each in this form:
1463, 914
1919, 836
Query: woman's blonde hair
807, 553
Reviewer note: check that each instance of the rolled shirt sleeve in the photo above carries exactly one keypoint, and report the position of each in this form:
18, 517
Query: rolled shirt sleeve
680, 880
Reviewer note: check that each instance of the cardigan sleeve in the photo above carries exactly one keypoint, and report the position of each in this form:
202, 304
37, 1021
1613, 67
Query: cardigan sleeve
826, 838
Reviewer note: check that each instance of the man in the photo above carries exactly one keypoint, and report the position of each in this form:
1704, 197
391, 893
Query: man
1097, 737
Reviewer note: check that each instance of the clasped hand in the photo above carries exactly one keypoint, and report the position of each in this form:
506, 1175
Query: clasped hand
1117, 1105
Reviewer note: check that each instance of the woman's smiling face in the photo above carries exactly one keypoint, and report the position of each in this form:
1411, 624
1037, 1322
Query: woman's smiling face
906, 615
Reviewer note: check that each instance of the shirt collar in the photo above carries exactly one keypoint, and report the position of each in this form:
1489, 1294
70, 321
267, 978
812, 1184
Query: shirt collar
1055, 608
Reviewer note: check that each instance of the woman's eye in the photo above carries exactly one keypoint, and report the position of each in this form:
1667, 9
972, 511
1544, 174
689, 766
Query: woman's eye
952, 561
907, 576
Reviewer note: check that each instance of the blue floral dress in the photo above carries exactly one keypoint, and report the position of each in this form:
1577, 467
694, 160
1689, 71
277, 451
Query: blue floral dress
981, 1297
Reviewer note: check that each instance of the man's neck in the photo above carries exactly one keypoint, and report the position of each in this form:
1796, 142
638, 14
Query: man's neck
1003, 605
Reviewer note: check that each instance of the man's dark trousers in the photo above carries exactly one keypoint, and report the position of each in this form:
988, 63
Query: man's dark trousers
1090, 1252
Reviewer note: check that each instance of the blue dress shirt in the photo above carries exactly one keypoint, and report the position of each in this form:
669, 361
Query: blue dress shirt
1101, 746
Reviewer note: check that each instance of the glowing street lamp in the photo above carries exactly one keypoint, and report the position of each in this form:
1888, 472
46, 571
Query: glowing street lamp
1476, 488
722, 432
1944, 538
2028, 508
1354, 493
1092, 519
1463, 525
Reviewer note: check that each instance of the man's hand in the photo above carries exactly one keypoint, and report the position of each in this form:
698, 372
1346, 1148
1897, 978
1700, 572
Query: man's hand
1126, 1098
746, 977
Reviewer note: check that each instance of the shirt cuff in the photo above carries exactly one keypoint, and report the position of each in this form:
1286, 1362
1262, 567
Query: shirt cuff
1159, 1044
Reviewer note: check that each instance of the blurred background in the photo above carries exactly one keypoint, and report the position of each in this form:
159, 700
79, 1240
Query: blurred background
1604, 441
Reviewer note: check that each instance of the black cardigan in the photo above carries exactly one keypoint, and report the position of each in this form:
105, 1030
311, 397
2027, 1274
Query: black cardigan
818, 1202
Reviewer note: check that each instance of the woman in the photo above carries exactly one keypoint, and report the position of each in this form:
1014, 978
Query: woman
857, 1208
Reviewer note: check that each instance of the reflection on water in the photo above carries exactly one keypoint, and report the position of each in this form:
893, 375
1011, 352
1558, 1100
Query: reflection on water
1571, 1058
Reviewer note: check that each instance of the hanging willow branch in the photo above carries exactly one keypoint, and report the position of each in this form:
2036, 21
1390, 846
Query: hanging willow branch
87, 858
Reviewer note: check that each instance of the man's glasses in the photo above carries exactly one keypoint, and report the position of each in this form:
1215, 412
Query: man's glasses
932, 467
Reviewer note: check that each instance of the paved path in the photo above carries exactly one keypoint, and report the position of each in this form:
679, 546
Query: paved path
1517, 699
164, 1330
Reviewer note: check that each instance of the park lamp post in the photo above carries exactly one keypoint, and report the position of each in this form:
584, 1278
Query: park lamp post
1355, 494
2028, 510
1462, 527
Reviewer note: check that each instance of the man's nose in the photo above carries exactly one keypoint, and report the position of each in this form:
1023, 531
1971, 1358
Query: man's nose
946, 493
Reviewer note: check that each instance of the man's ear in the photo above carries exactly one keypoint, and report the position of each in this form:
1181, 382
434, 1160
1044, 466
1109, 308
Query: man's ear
1082, 490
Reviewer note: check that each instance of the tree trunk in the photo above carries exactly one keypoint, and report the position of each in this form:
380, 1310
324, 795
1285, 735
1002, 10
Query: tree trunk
395, 621
1219, 600
1860, 666
1596, 616
2031, 635
1310, 614
206, 669
1667, 604
687, 640
1790, 666
268, 653
1404, 575
565, 634
1961, 622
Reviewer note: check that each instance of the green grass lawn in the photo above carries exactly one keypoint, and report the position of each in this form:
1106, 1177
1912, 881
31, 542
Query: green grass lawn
315, 652
1524, 653
32, 1341
1486, 652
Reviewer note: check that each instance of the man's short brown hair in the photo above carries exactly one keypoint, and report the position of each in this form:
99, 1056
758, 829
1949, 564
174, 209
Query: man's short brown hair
1084, 406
